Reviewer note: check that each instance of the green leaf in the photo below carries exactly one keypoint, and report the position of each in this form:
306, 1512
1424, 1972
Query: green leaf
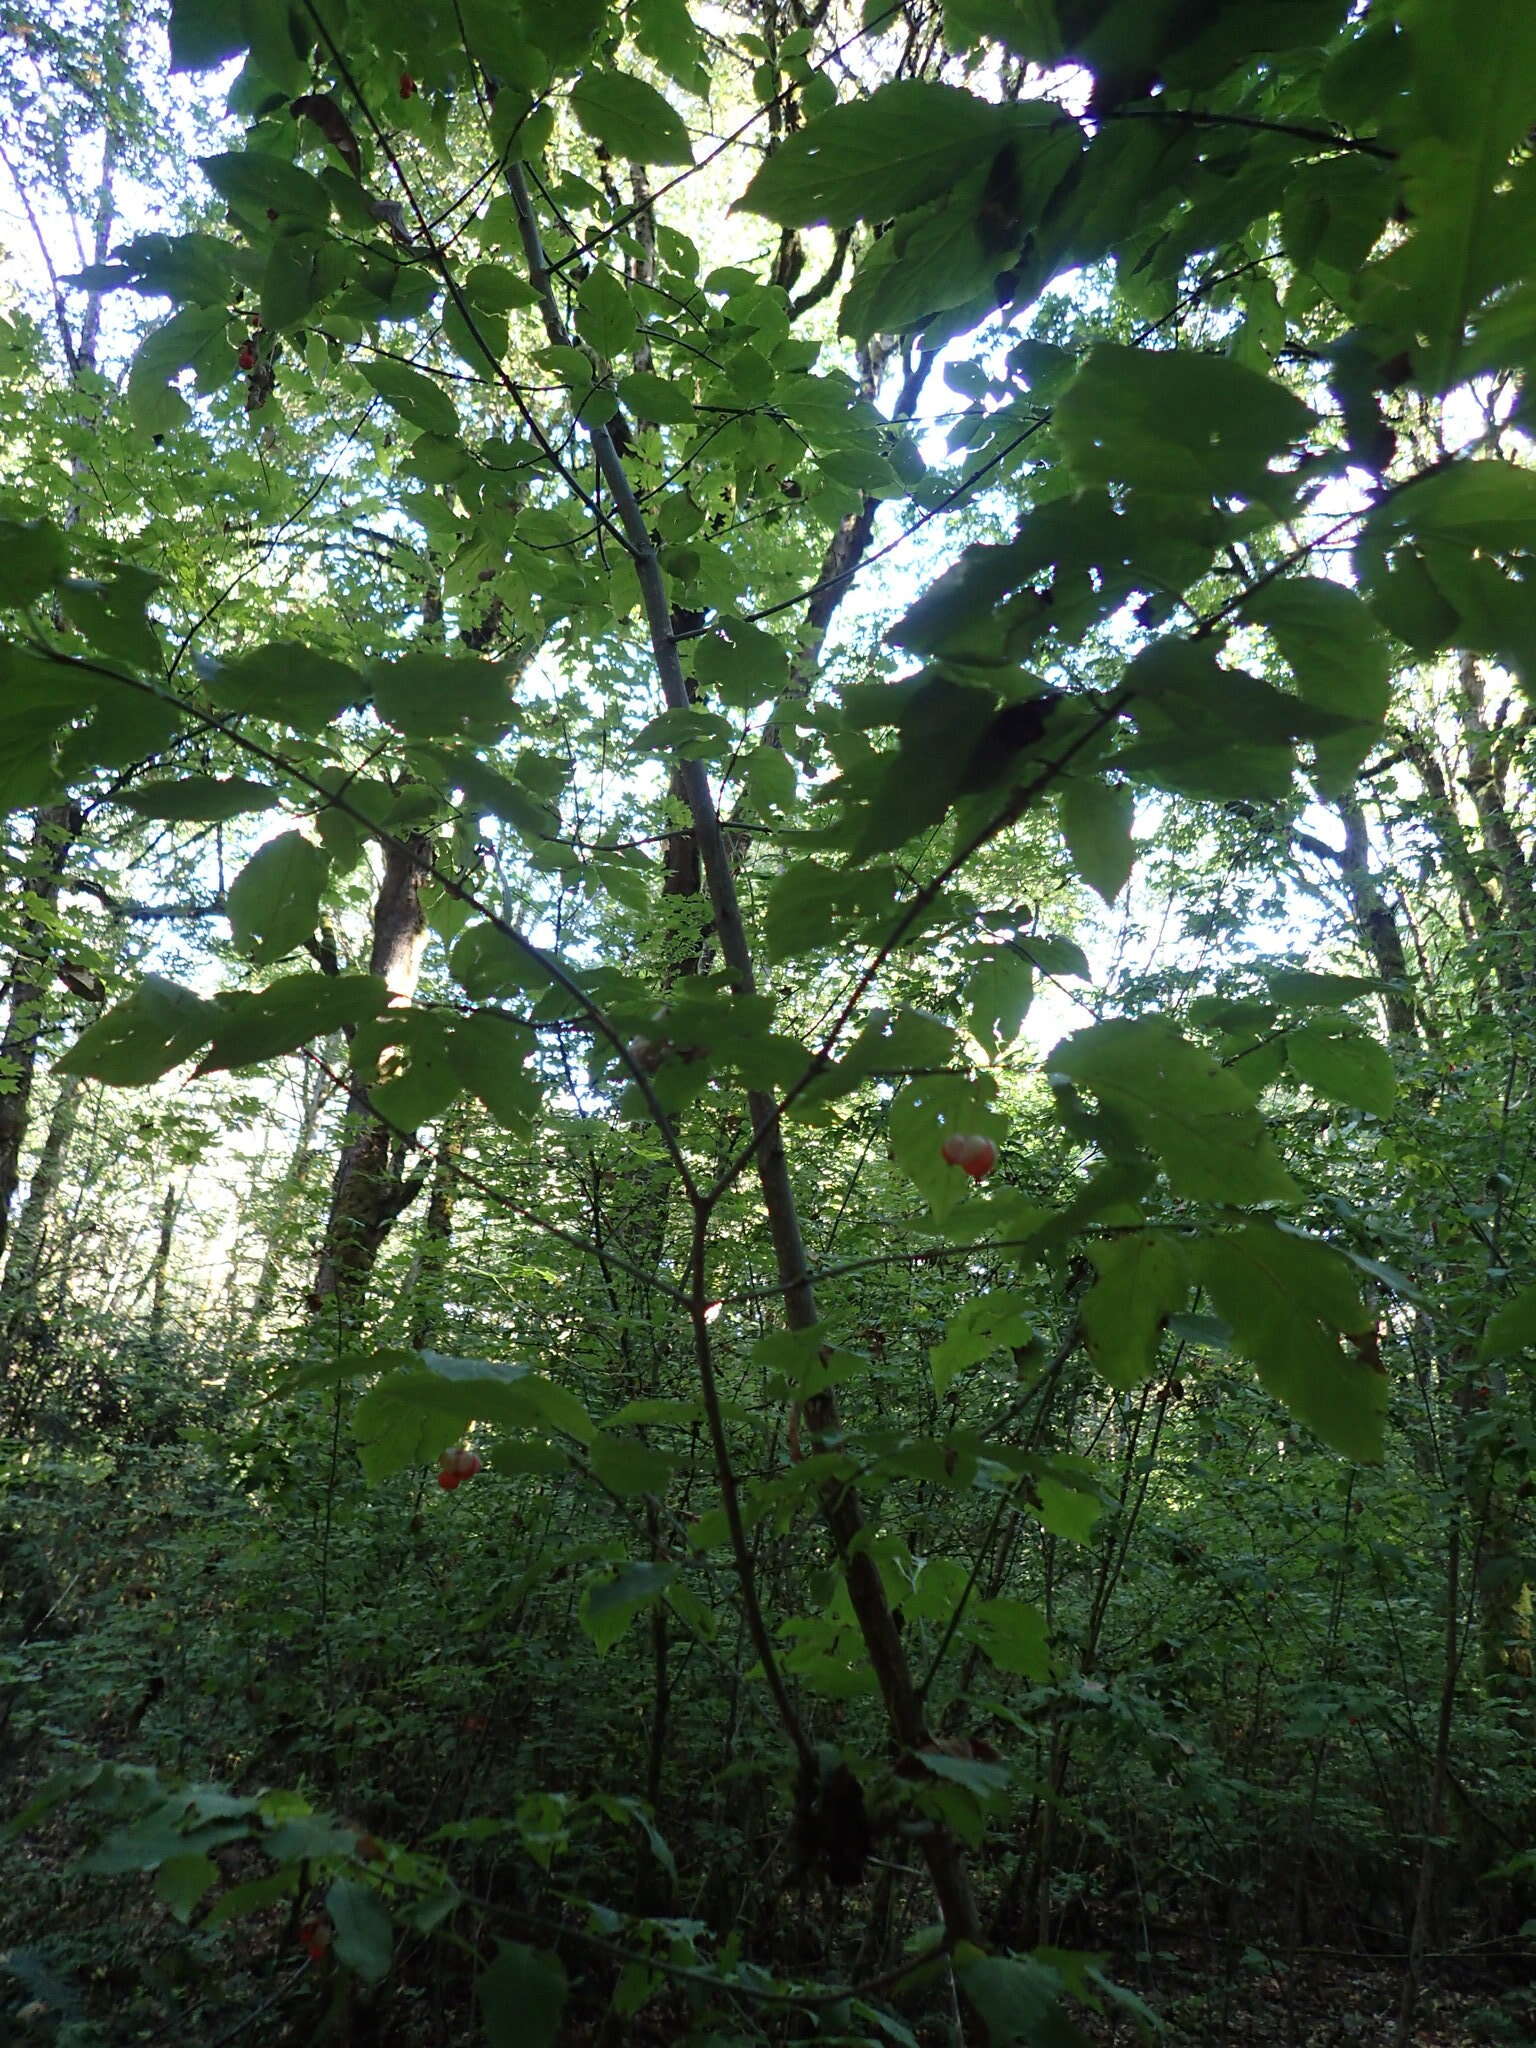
274, 901
626, 1467
1019, 2001
999, 993
205, 33
871, 158
1177, 422
1336, 1057
1511, 1328
1302, 988
182, 1880
490, 1054
609, 1606
1096, 821
33, 558
258, 1027
1339, 659
1289, 1300
631, 118
195, 338
365, 1940
417, 398
1199, 1119
256, 185
424, 1400
1013, 1635
1472, 94
606, 313
668, 401
284, 680
1487, 503
745, 665
206, 798
159, 1026
522, 1997
301, 270
429, 695
1142, 1280
994, 1322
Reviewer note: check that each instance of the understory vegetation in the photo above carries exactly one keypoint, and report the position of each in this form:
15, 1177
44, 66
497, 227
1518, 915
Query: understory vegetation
768, 947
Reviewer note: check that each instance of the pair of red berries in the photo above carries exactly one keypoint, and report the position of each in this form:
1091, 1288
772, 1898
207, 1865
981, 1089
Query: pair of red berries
972, 1154
455, 1466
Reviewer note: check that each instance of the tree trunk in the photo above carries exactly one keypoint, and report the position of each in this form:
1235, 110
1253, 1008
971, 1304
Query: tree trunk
1376, 922
29, 1238
368, 1188
428, 1282
53, 836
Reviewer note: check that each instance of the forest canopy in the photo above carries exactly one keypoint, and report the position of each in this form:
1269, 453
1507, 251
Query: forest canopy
767, 932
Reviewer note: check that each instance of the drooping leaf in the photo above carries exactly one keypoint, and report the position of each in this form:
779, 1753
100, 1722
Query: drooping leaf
522, 1997
1511, 1328
364, 1938
301, 1007
1143, 1279
631, 118
1176, 422
611, 1604
206, 798
1195, 1116
1291, 1303
159, 1026
875, 157
414, 395
423, 1400
1096, 821
1337, 1058
274, 901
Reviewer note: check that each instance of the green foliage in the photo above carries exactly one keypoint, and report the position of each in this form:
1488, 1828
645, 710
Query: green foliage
725, 582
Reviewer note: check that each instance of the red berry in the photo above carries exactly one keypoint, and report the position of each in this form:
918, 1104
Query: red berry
315, 1936
447, 1481
407, 86
972, 1154
247, 357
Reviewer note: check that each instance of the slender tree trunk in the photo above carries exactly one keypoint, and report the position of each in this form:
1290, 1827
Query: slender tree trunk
1485, 784
316, 1092
1376, 922
159, 1275
428, 1285
368, 1187
29, 1237
53, 837
840, 1504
